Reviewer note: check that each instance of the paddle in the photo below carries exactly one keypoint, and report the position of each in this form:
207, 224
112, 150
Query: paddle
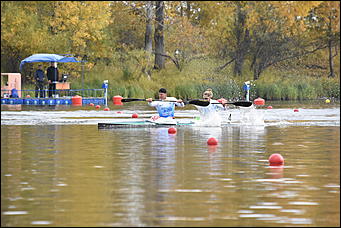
195, 102
206, 103
132, 99
140, 99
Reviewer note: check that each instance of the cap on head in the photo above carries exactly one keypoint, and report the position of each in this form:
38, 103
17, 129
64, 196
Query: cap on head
162, 90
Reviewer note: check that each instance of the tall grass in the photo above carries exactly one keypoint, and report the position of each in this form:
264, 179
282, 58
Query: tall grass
297, 88
198, 75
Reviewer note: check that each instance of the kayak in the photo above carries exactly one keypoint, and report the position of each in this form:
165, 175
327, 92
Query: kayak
162, 122
156, 121
143, 124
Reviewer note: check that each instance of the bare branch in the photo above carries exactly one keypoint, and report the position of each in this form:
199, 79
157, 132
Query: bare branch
223, 66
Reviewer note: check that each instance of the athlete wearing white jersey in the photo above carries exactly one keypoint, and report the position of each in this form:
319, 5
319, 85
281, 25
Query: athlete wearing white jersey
164, 108
210, 113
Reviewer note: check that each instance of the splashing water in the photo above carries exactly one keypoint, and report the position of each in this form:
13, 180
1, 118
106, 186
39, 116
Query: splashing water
249, 116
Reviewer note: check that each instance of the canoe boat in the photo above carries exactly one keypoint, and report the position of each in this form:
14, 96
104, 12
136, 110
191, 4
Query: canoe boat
142, 124
156, 121
155, 124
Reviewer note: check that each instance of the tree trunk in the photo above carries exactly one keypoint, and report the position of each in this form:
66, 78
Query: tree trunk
188, 9
243, 41
240, 53
158, 36
148, 44
330, 55
330, 50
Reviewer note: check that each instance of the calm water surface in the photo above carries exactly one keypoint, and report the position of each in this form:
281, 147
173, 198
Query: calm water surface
66, 172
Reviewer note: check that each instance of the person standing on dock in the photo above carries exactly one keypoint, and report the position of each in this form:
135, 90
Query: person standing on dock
164, 108
53, 77
39, 76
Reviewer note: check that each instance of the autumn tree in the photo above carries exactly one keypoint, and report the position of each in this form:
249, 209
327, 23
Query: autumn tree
324, 25
21, 33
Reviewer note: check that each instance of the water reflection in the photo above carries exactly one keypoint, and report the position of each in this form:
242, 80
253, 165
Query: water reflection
77, 175
276, 172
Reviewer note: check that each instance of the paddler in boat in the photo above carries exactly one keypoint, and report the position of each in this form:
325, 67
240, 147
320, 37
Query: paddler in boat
210, 113
164, 108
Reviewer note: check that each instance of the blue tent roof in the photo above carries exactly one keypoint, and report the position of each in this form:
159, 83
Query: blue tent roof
47, 58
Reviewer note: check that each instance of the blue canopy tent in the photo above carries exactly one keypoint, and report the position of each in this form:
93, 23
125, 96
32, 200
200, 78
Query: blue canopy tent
52, 58
47, 58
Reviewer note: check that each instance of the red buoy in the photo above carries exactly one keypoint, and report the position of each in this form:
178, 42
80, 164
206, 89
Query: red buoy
134, 115
259, 101
212, 141
76, 100
295, 110
270, 107
91, 104
97, 106
117, 100
106, 109
276, 159
171, 130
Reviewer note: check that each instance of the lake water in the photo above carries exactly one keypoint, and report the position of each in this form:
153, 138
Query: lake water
59, 169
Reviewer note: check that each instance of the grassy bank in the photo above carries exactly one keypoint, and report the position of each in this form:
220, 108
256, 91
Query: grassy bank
129, 81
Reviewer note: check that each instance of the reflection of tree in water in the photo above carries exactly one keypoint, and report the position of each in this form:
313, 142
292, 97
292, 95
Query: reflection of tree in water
161, 171
163, 156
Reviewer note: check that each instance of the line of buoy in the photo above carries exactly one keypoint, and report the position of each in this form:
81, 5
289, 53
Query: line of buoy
274, 159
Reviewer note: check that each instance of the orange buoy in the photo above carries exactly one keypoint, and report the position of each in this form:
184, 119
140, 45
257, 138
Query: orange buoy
76, 100
106, 109
259, 101
276, 159
117, 100
134, 115
171, 130
212, 141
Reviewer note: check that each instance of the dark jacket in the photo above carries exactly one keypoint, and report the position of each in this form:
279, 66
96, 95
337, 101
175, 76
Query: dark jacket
39, 75
52, 74
14, 93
